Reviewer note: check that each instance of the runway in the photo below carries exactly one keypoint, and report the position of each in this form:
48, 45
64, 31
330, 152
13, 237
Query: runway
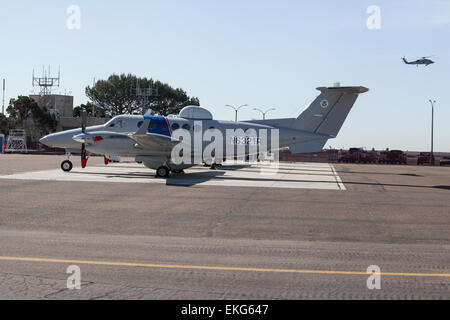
152, 240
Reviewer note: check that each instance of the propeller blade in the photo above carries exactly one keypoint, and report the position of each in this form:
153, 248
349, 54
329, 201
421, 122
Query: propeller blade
83, 145
83, 121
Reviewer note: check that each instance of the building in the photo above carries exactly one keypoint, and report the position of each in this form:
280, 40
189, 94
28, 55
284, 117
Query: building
62, 107
59, 105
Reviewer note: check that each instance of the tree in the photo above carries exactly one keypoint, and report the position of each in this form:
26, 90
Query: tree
91, 110
6, 124
44, 121
24, 108
116, 96
20, 109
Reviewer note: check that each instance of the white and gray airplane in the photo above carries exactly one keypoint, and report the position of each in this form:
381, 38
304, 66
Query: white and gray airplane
153, 139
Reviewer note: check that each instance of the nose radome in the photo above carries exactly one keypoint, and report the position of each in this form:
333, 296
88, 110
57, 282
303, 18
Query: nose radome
44, 140
51, 140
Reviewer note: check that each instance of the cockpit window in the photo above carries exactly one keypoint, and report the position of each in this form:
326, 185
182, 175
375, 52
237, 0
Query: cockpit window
152, 125
164, 126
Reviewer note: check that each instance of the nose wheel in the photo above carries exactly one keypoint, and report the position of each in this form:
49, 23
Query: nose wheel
66, 165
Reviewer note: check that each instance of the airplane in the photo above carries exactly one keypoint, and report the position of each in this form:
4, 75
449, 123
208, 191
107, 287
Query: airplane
424, 61
152, 139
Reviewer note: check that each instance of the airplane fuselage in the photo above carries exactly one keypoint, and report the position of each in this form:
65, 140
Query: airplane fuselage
195, 137
113, 137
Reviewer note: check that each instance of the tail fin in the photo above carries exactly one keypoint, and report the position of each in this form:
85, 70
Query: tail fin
405, 61
328, 111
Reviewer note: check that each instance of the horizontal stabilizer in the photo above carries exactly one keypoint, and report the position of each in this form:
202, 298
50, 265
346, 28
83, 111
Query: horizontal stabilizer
306, 147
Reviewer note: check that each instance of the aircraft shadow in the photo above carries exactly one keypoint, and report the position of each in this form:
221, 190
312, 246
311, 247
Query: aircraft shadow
192, 179
382, 173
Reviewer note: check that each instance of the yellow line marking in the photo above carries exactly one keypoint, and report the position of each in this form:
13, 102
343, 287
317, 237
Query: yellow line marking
217, 268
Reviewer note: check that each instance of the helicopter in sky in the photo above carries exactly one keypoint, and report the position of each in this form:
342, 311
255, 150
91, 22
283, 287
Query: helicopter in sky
424, 60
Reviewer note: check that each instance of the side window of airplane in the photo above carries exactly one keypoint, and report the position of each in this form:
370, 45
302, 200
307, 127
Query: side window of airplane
112, 125
175, 126
139, 124
186, 127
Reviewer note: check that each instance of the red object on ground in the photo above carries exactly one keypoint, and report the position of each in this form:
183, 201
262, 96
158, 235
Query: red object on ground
98, 138
106, 160
84, 163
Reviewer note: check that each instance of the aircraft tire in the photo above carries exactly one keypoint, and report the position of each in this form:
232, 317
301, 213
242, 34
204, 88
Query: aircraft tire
66, 166
162, 172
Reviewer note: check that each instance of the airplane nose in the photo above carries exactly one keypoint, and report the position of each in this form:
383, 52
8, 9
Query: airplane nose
55, 140
45, 140
61, 140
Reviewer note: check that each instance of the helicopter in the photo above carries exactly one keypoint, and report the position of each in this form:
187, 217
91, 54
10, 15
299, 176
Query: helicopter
424, 60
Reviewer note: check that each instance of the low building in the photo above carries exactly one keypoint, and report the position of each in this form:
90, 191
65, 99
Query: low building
62, 107
59, 105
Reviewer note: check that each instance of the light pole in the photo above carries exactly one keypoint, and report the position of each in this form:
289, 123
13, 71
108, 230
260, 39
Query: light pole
432, 102
264, 112
236, 110
3, 106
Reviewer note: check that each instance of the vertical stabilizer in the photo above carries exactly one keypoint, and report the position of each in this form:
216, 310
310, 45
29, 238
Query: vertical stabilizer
328, 111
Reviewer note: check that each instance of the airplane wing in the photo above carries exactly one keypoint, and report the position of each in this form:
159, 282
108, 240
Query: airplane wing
153, 142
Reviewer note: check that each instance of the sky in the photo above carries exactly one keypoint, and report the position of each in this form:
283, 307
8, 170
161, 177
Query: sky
267, 54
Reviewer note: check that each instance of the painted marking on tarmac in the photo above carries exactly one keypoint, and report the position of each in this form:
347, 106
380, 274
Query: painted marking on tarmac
338, 179
217, 268
320, 176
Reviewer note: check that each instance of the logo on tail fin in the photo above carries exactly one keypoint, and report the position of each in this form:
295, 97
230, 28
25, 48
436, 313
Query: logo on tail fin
324, 104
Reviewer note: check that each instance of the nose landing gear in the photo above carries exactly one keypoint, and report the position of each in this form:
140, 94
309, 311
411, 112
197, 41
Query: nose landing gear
66, 165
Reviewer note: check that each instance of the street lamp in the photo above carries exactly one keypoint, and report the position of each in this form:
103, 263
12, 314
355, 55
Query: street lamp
264, 112
236, 110
432, 102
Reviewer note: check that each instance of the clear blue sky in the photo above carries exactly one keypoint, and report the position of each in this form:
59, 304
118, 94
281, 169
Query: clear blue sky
256, 52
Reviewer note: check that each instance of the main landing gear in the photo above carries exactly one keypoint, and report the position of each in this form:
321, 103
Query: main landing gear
163, 172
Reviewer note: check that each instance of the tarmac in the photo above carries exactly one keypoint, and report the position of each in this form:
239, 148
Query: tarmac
304, 231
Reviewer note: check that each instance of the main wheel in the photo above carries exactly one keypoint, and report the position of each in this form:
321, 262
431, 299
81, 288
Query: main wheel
162, 172
66, 166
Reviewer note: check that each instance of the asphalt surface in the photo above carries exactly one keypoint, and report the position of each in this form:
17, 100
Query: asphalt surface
159, 241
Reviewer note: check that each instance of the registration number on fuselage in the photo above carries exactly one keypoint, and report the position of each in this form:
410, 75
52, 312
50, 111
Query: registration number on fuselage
237, 140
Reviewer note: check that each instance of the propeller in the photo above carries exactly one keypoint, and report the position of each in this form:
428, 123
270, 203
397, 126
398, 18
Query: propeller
84, 157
